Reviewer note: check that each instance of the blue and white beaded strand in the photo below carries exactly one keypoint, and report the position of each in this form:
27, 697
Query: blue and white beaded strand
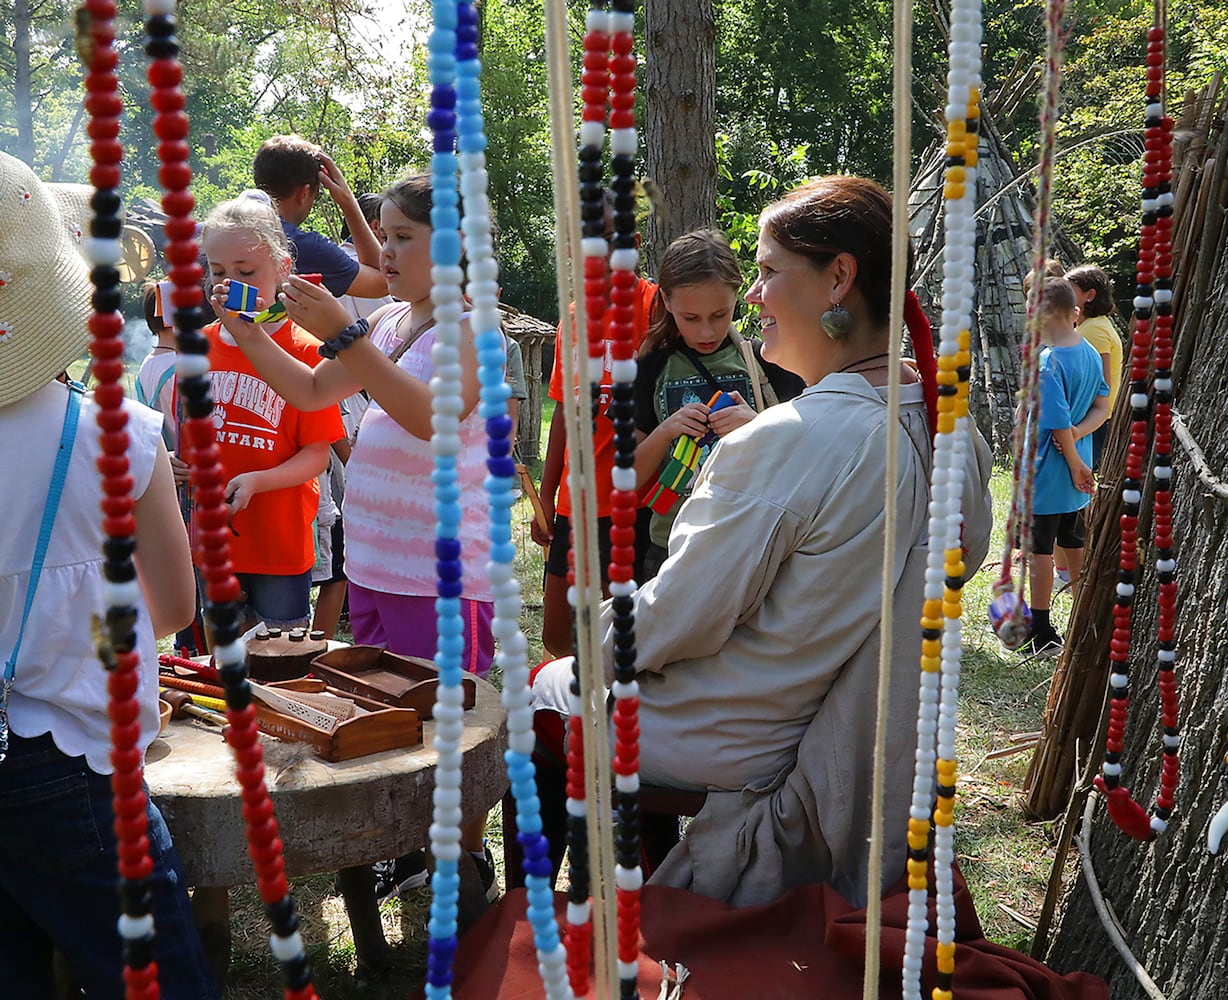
446, 405
941, 617
512, 656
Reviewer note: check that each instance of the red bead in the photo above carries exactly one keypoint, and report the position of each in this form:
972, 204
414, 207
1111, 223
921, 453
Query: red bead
104, 104
163, 99
182, 252
103, 128
180, 228
171, 126
178, 203
165, 73
106, 151
111, 420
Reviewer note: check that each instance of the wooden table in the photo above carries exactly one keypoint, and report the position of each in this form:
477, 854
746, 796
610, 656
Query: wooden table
333, 817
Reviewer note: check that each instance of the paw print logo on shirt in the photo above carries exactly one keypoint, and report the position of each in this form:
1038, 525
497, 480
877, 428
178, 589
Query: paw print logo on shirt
219, 417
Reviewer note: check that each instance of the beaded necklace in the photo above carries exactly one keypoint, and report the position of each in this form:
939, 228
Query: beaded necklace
117, 648
941, 648
209, 479
1153, 301
608, 84
1009, 613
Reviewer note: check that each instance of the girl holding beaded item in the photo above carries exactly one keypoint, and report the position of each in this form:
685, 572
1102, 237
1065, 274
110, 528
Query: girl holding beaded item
389, 509
272, 450
691, 352
758, 640
58, 850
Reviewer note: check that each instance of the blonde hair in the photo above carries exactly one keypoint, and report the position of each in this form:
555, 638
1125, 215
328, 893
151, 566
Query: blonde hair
251, 213
694, 259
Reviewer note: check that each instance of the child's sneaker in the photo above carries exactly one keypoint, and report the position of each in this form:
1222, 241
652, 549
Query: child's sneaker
1062, 575
1044, 642
395, 877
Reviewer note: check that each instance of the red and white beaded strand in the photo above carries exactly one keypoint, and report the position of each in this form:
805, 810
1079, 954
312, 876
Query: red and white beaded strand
118, 648
208, 484
1152, 310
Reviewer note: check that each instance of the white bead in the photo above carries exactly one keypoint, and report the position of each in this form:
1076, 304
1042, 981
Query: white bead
231, 654
628, 970
1131, 496
286, 949
624, 370
598, 21
576, 807
135, 928
1172, 741
621, 23
445, 444
579, 913
444, 834
446, 798
522, 742
594, 246
1164, 384
624, 259
1158, 825
102, 251
628, 783
452, 713
1125, 590
628, 879
596, 369
160, 6
592, 134
1163, 472
1142, 302
623, 588
623, 479
122, 595
1164, 295
1119, 680
624, 141
448, 315
625, 689
446, 293
1112, 770
1166, 565
1166, 655
1149, 205
447, 274
520, 719
190, 365
446, 852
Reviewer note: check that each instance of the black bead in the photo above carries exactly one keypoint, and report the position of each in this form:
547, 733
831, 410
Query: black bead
106, 227
162, 48
139, 953
119, 570
297, 972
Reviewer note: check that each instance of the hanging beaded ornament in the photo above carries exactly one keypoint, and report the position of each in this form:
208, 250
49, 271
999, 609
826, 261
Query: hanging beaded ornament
118, 644
1009, 614
1152, 310
945, 569
222, 590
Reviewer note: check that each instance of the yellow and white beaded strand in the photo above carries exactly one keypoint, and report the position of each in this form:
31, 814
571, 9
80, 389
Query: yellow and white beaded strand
941, 647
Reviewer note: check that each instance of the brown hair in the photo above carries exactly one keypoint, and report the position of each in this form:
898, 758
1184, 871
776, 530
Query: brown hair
250, 213
693, 259
1094, 279
1053, 269
841, 214
1059, 296
412, 197
149, 302
285, 163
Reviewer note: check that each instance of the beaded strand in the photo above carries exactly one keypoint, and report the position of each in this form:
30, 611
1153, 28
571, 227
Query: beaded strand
1008, 611
512, 657
941, 648
209, 479
624, 257
446, 405
595, 94
118, 649
1152, 302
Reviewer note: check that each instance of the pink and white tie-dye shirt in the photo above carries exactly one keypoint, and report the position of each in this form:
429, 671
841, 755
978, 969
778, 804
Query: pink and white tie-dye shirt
389, 499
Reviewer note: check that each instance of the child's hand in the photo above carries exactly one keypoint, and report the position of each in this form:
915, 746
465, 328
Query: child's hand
691, 420
240, 490
180, 470
730, 418
331, 178
1084, 478
232, 321
313, 307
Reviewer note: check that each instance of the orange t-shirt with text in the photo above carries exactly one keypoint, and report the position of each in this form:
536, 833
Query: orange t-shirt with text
257, 429
603, 430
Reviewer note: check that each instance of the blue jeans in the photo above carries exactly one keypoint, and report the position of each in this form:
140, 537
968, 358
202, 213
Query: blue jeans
278, 600
58, 879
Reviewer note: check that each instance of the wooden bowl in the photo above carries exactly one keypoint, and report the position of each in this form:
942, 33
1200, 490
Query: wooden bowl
164, 711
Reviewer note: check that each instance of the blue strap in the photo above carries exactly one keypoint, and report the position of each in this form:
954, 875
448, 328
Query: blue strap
75, 391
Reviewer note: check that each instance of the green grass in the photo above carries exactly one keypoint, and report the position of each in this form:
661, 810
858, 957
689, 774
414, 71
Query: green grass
1004, 859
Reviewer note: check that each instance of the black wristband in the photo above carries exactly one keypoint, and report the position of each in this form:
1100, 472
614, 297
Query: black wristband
331, 348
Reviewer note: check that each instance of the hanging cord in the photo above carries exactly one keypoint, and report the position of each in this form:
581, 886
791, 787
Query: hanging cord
1150, 357
208, 484
576, 409
1008, 611
117, 644
899, 268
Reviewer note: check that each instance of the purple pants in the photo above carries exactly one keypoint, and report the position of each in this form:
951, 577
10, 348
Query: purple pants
406, 625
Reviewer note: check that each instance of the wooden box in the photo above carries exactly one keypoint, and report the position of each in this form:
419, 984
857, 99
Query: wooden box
380, 728
384, 677
274, 655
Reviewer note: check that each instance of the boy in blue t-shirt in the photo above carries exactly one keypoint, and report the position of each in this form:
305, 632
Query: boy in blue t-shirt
1074, 401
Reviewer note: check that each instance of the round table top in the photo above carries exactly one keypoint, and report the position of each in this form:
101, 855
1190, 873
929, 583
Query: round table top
331, 816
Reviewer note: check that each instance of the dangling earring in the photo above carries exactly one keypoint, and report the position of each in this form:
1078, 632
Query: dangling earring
836, 322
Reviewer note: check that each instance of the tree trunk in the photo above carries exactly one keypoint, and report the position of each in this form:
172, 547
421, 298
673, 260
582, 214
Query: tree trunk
23, 97
680, 118
1168, 895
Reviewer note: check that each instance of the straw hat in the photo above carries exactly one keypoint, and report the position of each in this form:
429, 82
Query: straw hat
44, 281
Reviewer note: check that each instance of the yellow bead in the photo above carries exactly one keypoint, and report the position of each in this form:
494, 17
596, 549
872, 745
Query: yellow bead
946, 950
941, 994
970, 158
965, 344
953, 192
918, 843
953, 610
931, 664
956, 175
916, 868
946, 965
956, 129
946, 423
931, 647
956, 148
931, 609
917, 883
947, 378
955, 569
943, 819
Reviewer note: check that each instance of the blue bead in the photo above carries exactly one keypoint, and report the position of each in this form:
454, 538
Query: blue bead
500, 426
448, 569
503, 553
498, 447
452, 645
447, 517
443, 97
504, 467
450, 625
450, 588
447, 548
445, 246
447, 607
472, 144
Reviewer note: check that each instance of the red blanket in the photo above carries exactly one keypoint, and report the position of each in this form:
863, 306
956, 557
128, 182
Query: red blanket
809, 943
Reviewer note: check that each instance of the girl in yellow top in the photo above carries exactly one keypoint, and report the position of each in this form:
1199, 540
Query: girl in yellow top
1094, 293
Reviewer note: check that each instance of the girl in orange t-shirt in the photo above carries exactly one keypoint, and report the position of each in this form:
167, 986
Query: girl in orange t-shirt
271, 451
